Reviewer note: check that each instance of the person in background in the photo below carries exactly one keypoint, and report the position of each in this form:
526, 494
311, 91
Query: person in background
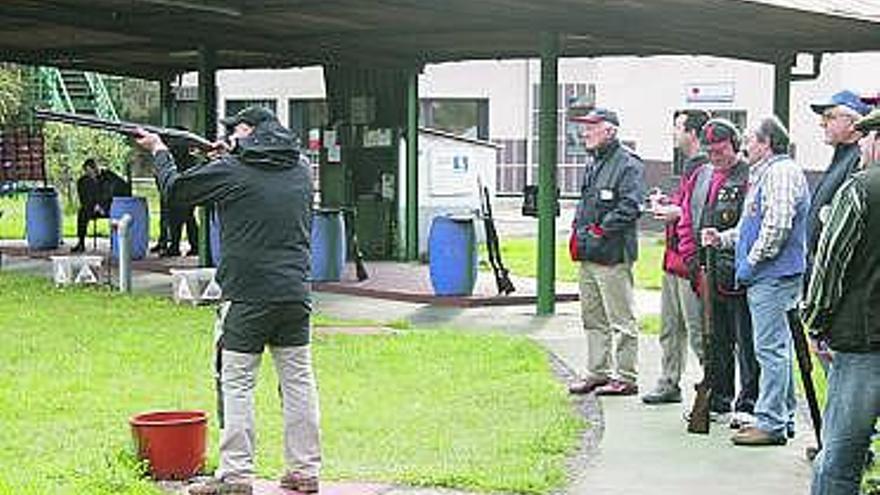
604, 240
770, 262
181, 214
714, 198
95, 191
681, 311
842, 307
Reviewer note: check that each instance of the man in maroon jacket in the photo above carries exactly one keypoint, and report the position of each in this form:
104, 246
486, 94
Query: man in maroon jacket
681, 309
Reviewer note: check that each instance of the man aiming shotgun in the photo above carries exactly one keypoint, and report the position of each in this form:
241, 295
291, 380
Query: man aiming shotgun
263, 191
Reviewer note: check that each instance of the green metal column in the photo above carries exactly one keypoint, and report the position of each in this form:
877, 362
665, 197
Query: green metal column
412, 167
166, 100
547, 175
207, 126
782, 87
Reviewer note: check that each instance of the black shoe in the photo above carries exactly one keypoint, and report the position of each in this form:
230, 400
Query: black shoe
662, 395
158, 248
168, 253
79, 248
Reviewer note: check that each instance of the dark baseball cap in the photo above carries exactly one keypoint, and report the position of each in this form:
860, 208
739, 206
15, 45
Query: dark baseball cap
252, 116
718, 130
596, 115
870, 122
844, 98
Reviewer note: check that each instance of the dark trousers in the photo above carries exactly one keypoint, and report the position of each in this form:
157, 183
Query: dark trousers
181, 216
732, 343
85, 214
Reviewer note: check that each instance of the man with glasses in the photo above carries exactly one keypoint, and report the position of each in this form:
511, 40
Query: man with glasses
839, 115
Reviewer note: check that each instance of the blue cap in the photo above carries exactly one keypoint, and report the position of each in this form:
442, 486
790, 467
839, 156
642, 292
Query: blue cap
844, 98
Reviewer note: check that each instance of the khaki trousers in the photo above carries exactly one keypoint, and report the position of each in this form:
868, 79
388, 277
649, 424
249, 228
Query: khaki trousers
681, 314
608, 316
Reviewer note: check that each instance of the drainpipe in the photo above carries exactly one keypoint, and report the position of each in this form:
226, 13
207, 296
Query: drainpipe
123, 232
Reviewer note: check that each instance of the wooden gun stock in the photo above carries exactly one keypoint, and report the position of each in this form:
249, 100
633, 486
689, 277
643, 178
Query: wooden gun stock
698, 422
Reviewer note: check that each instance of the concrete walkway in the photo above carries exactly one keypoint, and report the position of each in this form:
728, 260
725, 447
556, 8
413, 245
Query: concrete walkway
643, 450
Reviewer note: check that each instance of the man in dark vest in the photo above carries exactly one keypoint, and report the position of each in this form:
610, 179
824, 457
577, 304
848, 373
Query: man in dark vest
714, 198
604, 239
95, 190
843, 307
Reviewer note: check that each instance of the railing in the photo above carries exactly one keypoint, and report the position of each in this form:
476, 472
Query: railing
58, 98
103, 104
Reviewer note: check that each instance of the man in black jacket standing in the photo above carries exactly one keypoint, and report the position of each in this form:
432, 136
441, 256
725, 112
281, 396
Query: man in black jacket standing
605, 241
838, 115
263, 191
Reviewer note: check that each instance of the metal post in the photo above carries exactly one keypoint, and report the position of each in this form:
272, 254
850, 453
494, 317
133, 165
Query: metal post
166, 100
412, 167
782, 87
123, 233
207, 126
547, 128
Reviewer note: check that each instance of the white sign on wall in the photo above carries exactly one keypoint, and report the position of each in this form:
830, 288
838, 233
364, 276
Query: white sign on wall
717, 92
451, 173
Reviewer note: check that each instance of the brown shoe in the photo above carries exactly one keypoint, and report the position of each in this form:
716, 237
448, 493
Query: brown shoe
299, 482
756, 437
587, 385
618, 387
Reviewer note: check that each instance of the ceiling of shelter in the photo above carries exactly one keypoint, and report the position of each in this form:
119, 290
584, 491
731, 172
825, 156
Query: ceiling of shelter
159, 38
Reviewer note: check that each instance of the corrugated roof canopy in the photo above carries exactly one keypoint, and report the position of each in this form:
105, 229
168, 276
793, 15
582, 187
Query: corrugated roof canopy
159, 38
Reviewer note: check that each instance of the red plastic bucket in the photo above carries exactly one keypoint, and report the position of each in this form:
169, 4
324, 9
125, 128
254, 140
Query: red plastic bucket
173, 442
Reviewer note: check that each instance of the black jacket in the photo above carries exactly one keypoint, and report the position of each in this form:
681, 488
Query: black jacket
844, 163
609, 208
263, 191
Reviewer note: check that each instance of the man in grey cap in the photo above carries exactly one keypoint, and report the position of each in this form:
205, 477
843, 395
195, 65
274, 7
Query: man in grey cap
263, 190
843, 307
605, 241
838, 114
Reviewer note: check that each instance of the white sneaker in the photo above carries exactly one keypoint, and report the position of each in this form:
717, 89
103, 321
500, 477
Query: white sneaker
741, 419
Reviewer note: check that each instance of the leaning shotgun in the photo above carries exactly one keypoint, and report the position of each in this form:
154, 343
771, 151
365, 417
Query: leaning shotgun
127, 128
698, 422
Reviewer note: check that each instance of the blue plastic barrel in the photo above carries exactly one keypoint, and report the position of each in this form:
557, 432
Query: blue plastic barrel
328, 245
135, 206
43, 219
452, 255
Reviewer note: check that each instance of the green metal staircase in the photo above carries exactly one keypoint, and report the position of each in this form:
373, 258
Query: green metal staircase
75, 91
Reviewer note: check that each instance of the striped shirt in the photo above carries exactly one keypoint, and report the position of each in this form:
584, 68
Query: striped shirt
841, 231
781, 187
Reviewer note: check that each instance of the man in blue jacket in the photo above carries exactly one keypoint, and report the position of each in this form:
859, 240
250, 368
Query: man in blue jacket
770, 262
605, 241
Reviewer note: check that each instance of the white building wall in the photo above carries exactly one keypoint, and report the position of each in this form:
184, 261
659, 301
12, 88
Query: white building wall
645, 91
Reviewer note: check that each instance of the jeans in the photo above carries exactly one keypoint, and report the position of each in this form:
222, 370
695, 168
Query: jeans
769, 301
851, 411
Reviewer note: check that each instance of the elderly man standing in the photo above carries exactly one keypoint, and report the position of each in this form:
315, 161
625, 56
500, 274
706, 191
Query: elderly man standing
843, 306
770, 263
680, 307
838, 116
605, 241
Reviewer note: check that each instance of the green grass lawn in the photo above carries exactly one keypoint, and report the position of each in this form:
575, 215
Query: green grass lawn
441, 408
520, 256
12, 223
